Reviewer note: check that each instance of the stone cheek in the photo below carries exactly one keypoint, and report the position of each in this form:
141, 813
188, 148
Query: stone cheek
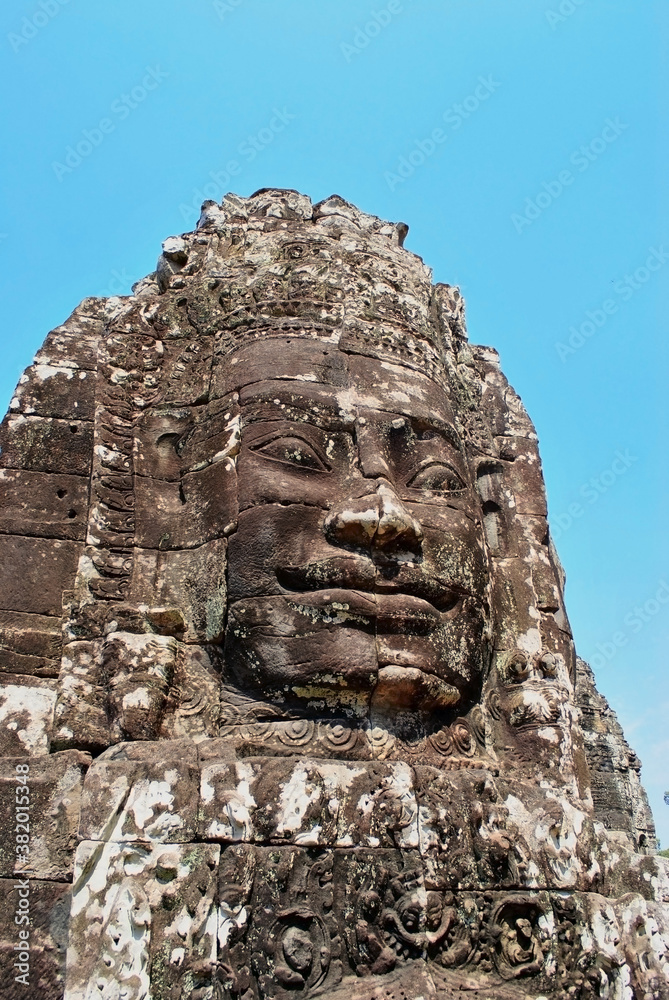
285, 668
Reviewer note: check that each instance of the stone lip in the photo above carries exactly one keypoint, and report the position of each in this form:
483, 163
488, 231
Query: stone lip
377, 604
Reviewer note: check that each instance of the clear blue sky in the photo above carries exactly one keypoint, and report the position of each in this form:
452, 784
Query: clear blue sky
542, 199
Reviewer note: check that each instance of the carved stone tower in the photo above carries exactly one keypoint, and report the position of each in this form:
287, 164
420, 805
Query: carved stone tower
286, 671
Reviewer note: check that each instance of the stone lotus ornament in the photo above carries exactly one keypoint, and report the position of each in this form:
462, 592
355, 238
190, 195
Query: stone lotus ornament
284, 645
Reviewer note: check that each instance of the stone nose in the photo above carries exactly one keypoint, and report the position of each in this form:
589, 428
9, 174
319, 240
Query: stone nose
378, 520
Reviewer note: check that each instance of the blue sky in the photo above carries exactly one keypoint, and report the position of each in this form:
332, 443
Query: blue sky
525, 144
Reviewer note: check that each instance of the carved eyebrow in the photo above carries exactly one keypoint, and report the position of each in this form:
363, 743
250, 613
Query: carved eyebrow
261, 431
303, 391
440, 427
324, 418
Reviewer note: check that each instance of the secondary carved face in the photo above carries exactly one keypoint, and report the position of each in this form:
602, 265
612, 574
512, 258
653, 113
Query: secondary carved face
357, 570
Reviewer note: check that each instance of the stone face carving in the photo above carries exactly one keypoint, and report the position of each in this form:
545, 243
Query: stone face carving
275, 553
342, 608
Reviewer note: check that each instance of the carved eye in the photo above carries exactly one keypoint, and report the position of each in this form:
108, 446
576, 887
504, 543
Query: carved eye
547, 663
426, 433
167, 443
292, 451
438, 477
517, 668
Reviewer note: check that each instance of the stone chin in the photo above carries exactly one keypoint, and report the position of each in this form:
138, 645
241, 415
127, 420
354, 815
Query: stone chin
411, 689
352, 651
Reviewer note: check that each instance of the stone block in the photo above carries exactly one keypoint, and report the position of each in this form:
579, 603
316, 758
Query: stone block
515, 604
194, 704
314, 803
39, 503
414, 980
143, 920
141, 801
34, 572
55, 391
44, 444
193, 580
523, 474
277, 929
49, 907
391, 914
30, 644
72, 345
26, 714
54, 786
479, 831
80, 713
184, 515
150, 752
138, 672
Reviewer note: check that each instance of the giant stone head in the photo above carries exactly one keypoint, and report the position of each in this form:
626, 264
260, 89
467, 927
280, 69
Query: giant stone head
312, 500
274, 550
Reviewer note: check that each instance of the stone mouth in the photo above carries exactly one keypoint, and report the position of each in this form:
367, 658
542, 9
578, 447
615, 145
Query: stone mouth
380, 601
388, 611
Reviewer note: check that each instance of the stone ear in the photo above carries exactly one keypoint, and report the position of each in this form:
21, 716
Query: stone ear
490, 487
159, 440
